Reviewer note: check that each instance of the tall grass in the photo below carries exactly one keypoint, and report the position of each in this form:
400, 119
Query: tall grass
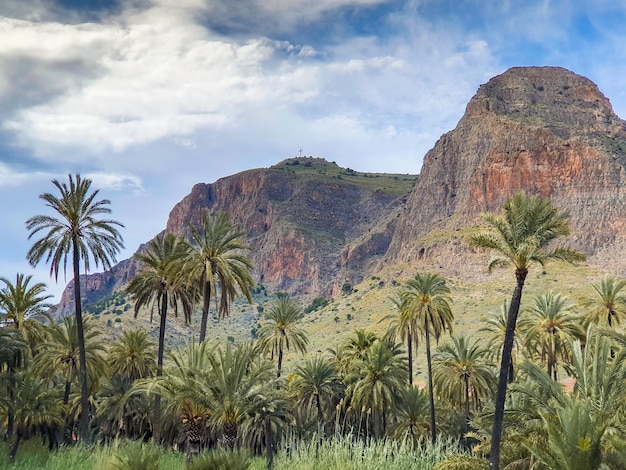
339, 453
345, 454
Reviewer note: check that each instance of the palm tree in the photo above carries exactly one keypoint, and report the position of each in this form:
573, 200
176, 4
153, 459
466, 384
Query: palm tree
34, 405
608, 305
281, 330
495, 328
410, 414
217, 258
357, 345
408, 328
583, 428
78, 230
462, 373
548, 329
158, 285
60, 355
428, 297
520, 237
132, 356
25, 307
13, 354
315, 384
377, 382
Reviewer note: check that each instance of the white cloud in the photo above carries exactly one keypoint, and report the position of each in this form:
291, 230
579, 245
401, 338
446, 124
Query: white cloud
116, 182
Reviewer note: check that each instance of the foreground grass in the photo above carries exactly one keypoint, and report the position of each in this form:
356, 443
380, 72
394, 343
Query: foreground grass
343, 454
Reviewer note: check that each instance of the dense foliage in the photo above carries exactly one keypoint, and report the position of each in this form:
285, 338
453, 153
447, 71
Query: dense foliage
357, 405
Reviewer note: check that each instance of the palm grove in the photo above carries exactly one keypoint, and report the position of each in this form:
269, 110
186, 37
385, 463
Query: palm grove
495, 400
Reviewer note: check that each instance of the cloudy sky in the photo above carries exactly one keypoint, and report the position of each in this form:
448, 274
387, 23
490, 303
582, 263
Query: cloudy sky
148, 97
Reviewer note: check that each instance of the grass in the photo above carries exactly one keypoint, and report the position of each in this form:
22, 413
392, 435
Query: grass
345, 454
340, 454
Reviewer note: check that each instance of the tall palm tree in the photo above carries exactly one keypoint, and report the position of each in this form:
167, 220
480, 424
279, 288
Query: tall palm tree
521, 237
408, 328
428, 297
158, 285
132, 356
315, 384
462, 373
217, 259
495, 329
548, 329
78, 230
281, 330
608, 304
377, 381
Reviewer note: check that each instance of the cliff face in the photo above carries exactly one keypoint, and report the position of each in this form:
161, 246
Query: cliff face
313, 225
543, 130
308, 234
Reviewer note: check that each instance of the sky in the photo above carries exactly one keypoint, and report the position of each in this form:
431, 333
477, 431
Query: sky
149, 97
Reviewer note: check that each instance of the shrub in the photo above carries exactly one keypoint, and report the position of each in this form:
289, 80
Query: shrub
220, 459
462, 462
135, 455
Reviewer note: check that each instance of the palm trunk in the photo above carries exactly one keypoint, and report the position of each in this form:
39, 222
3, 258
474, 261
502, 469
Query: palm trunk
280, 360
156, 431
269, 442
84, 396
14, 447
205, 307
507, 349
467, 399
409, 342
320, 415
430, 384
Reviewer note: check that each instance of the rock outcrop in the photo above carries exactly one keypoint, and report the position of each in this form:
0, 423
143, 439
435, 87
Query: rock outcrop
543, 130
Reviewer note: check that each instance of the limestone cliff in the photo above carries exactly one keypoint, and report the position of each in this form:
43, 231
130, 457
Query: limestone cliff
543, 130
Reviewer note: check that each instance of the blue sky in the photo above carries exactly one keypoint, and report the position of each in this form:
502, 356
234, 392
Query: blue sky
148, 97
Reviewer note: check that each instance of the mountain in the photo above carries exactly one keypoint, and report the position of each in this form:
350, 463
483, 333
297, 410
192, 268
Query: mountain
314, 226
311, 224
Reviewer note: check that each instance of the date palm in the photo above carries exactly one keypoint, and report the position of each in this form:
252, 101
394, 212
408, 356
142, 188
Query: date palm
408, 329
216, 260
59, 355
428, 297
315, 384
548, 328
410, 416
76, 230
281, 331
521, 237
463, 374
25, 307
34, 405
158, 285
608, 304
495, 329
377, 381
13, 354
132, 356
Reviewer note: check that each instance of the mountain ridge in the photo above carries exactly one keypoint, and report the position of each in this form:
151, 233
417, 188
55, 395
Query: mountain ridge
315, 226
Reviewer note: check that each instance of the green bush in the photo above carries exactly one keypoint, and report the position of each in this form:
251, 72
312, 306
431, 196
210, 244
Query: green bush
134, 456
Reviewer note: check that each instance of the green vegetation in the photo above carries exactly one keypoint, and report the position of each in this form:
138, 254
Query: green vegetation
364, 403
321, 170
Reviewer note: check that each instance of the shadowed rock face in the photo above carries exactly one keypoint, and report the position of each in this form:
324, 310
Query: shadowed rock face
543, 130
